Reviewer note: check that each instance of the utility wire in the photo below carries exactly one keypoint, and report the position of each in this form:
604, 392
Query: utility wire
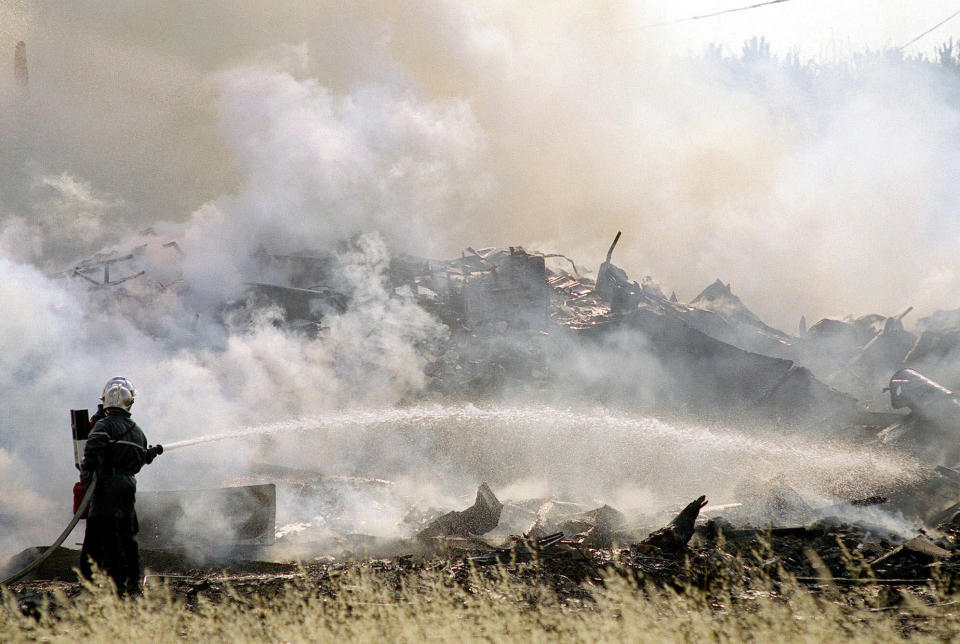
718, 13
936, 26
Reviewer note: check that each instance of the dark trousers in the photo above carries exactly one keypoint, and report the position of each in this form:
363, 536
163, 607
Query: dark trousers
109, 543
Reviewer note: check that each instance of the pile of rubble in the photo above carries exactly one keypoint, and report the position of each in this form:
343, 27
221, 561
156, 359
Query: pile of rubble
526, 322
572, 551
523, 321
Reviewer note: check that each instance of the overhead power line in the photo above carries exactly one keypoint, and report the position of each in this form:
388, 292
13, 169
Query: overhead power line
715, 13
936, 26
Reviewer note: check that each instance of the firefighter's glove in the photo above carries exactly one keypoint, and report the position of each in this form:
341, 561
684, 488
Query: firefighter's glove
154, 451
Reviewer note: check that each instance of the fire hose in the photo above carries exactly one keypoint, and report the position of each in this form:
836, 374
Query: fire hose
81, 510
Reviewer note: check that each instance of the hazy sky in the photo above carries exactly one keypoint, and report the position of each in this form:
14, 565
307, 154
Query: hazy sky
822, 29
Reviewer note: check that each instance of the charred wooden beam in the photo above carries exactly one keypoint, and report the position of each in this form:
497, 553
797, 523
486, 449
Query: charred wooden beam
480, 518
675, 536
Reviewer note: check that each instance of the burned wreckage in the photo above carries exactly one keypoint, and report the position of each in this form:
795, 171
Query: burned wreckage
521, 322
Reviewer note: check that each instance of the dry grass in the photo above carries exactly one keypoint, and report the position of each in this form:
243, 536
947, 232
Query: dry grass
360, 605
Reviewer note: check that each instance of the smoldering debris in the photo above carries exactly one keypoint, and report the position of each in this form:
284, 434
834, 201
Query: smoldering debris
480, 518
933, 422
591, 528
690, 551
233, 516
109, 269
535, 325
675, 536
526, 321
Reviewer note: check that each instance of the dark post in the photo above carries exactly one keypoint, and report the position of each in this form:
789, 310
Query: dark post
20, 67
80, 426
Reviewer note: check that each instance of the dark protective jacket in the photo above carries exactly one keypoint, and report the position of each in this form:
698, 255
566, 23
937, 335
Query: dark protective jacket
116, 450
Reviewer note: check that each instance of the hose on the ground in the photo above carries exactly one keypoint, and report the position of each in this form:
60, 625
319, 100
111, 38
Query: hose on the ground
56, 544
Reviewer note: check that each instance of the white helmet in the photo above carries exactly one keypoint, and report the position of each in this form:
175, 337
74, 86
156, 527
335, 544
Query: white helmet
118, 393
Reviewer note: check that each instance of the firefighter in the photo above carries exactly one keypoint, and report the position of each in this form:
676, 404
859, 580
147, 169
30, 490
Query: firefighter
116, 450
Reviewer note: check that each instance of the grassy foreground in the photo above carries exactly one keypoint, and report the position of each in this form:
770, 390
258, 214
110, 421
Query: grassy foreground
359, 604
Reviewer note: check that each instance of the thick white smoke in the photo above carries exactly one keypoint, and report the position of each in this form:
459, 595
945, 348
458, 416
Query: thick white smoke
322, 167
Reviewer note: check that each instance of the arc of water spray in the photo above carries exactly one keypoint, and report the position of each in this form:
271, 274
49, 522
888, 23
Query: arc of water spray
648, 427
356, 419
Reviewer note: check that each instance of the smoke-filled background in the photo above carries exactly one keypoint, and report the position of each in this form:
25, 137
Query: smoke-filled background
815, 187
